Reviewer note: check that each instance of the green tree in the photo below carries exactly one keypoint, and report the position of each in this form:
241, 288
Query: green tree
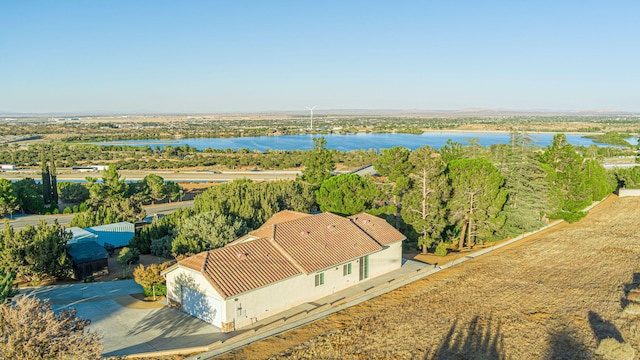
393, 163
155, 187
347, 194
73, 193
46, 177
8, 199
127, 257
395, 166
54, 182
28, 195
570, 187
423, 205
35, 252
318, 163
30, 329
7, 288
452, 150
255, 203
46, 252
477, 199
111, 211
526, 185
206, 231
114, 187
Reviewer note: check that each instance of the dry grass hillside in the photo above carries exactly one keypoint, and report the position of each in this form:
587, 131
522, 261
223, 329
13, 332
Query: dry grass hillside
556, 296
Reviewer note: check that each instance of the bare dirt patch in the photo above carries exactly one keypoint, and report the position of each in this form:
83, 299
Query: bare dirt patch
557, 295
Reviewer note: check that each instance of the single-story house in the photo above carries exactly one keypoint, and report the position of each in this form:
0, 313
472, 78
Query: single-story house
88, 258
292, 259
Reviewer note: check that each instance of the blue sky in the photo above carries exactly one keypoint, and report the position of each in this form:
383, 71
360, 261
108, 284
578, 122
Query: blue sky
244, 56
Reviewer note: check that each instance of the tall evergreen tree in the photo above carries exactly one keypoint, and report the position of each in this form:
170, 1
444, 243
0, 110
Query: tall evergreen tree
477, 199
525, 183
318, 164
46, 177
570, 185
54, 183
7, 288
423, 205
8, 198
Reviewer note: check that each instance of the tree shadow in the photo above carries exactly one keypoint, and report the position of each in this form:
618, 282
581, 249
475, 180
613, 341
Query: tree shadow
566, 345
635, 283
478, 341
603, 329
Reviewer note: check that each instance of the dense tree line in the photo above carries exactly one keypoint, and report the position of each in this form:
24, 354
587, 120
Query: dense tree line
462, 195
221, 214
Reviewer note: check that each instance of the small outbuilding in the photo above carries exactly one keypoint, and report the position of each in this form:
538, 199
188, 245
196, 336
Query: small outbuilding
80, 234
118, 234
88, 258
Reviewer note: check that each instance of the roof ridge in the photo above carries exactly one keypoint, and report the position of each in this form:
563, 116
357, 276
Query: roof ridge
354, 222
286, 255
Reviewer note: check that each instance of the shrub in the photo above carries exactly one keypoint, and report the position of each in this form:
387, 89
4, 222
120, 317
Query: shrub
162, 247
161, 290
441, 249
75, 209
569, 217
67, 210
84, 207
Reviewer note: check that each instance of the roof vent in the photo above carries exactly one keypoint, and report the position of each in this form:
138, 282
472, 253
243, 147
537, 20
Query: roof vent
304, 233
331, 227
242, 256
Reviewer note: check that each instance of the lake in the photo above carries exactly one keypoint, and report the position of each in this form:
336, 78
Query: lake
352, 141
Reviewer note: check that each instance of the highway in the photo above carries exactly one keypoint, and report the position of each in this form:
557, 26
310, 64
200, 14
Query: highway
20, 221
171, 175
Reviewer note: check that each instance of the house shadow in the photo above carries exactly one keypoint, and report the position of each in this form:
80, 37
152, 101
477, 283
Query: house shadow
635, 283
476, 341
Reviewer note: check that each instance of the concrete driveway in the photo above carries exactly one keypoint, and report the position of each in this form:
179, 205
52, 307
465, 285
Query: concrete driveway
129, 326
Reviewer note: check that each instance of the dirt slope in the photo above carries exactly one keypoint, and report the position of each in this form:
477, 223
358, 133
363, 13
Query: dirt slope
555, 296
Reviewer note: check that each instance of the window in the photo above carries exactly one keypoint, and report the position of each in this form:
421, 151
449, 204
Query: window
364, 267
320, 279
346, 269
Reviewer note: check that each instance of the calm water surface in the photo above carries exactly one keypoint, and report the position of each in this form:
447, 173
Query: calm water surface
352, 141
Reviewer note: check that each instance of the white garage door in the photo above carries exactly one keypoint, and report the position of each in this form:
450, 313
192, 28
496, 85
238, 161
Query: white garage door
201, 306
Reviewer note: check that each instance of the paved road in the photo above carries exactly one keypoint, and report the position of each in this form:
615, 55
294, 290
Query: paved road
129, 326
19, 221
177, 176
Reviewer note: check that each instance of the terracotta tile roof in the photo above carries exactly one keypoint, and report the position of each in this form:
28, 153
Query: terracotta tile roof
377, 228
320, 241
266, 230
303, 244
236, 269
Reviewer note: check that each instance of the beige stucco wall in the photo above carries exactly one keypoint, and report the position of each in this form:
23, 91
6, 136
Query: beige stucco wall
384, 261
267, 301
181, 276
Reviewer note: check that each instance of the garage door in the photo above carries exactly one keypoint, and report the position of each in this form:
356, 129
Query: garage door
201, 306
